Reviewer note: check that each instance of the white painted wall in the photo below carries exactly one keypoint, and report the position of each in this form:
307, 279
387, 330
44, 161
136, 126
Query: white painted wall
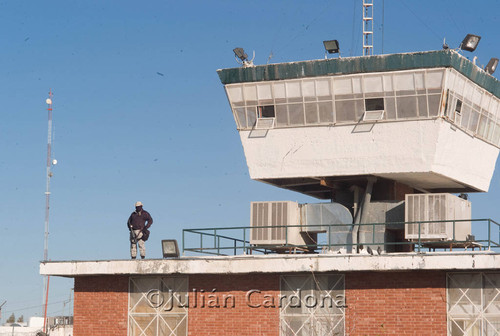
430, 149
245, 264
18, 331
463, 157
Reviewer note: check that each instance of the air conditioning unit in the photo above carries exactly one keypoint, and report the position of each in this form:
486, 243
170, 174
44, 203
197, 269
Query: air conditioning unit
270, 223
436, 207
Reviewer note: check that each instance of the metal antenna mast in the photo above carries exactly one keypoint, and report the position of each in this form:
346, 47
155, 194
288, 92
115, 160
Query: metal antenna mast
49, 175
368, 27
50, 162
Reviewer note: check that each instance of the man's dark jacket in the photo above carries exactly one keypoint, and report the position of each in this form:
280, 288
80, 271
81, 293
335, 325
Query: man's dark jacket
138, 220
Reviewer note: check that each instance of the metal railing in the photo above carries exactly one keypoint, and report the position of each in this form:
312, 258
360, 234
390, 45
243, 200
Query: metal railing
238, 240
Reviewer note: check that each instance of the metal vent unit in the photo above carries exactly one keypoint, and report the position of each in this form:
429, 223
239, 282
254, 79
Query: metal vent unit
332, 218
270, 223
436, 207
316, 217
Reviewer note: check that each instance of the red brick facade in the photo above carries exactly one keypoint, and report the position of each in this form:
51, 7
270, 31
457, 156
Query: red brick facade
395, 303
242, 320
101, 306
378, 303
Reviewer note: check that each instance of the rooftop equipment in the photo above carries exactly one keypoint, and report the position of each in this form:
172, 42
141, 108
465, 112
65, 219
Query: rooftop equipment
331, 47
491, 66
275, 223
431, 209
289, 223
169, 248
240, 53
470, 42
333, 219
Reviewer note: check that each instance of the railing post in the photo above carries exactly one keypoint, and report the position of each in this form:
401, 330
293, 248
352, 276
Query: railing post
373, 236
245, 240
215, 238
215, 241
286, 235
454, 231
489, 234
218, 245
419, 229
329, 235
183, 234
201, 242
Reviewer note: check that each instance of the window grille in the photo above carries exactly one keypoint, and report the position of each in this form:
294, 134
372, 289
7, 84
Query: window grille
158, 306
312, 305
473, 304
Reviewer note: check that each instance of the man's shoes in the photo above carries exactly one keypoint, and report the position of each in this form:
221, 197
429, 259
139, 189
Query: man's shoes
133, 257
142, 257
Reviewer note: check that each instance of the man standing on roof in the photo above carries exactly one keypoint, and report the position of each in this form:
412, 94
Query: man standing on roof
138, 224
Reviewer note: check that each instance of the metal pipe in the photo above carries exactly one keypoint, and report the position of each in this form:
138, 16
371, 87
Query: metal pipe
363, 209
357, 213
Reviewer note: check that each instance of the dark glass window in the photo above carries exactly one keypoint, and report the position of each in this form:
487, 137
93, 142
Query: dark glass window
266, 111
458, 108
374, 104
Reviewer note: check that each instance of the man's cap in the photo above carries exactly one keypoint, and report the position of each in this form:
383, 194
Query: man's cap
138, 204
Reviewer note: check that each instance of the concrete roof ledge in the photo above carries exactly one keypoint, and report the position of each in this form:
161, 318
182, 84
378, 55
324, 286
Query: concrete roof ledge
242, 264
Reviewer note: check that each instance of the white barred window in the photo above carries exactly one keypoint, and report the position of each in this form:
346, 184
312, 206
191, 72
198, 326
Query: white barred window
156, 306
312, 305
473, 304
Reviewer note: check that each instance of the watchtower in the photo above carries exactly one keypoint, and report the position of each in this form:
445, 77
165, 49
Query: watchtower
384, 126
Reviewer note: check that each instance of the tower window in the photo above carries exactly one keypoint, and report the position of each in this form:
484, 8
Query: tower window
374, 104
266, 111
458, 107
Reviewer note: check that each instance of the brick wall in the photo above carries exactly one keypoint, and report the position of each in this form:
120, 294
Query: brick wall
241, 320
101, 306
395, 303
383, 303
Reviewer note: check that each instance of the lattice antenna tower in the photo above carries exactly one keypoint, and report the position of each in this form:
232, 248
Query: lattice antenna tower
50, 163
49, 176
368, 27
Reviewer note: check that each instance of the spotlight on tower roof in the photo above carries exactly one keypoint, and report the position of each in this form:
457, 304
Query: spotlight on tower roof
240, 53
332, 46
491, 66
470, 42
445, 46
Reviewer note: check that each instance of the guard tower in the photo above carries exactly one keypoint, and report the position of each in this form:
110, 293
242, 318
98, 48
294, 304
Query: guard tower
369, 129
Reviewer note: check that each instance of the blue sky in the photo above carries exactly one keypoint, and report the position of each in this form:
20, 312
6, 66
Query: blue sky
140, 114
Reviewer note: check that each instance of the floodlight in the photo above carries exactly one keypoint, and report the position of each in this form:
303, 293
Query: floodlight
48, 101
491, 66
332, 46
240, 53
169, 248
445, 46
470, 42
